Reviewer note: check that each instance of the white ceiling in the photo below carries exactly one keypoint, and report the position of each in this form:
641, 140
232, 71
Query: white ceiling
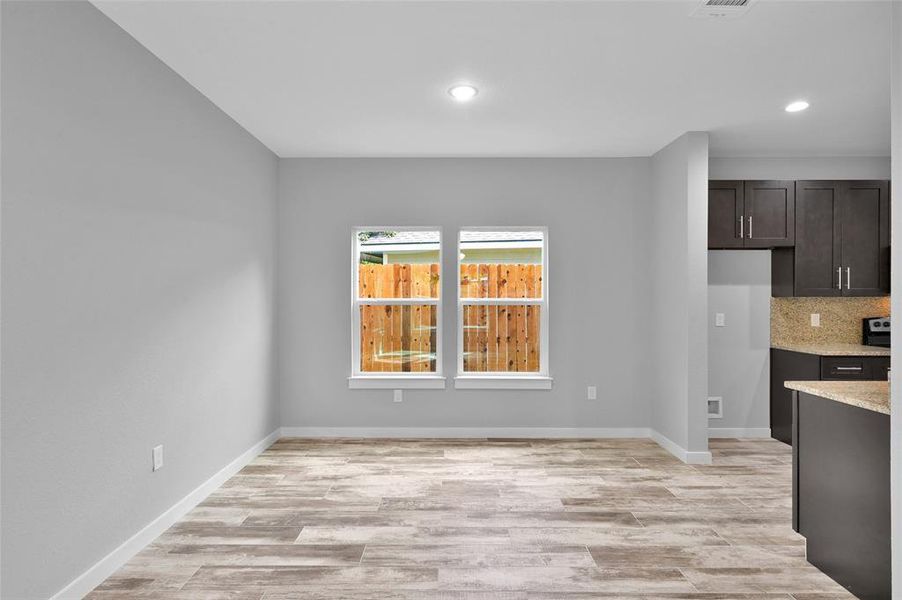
557, 78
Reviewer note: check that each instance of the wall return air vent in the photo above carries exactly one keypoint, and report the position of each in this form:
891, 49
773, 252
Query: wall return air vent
721, 9
715, 407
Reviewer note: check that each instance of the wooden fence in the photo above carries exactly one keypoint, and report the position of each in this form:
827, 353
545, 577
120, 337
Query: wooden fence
500, 281
396, 338
501, 338
398, 281
401, 338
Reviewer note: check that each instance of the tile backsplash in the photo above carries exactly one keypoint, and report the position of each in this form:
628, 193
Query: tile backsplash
790, 319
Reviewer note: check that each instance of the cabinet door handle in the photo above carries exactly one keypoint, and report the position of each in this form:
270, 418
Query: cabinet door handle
848, 278
839, 278
750, 227
741, 226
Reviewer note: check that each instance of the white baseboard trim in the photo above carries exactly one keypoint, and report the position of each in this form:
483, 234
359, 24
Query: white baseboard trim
466, 432
691, 458
739, 432
694, 458
109, 564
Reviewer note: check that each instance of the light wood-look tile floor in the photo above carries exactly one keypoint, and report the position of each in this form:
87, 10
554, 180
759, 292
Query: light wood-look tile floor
478, 519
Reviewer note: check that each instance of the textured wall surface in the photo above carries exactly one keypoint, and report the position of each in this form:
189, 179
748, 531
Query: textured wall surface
790, 319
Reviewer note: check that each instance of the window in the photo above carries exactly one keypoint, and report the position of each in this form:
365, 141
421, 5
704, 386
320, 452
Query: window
502, 308
396, 308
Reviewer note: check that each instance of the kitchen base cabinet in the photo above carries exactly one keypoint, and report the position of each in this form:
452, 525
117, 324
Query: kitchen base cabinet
786, 365
851, 368
841, 492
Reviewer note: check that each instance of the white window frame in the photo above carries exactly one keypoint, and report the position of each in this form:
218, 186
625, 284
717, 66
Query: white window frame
504, 380
367, 380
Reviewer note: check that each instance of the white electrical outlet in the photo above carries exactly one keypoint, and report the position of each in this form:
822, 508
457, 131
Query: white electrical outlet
719, 319
157, 458
591, 393
399, 395
815, 319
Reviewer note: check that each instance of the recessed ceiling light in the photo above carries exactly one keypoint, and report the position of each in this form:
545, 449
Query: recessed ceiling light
463, 93
796, 106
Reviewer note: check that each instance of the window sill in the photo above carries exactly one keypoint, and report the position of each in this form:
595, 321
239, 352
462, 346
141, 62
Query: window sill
500, 382
389, 382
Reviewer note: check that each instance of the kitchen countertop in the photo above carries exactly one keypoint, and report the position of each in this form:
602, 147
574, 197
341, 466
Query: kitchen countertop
870, 395
834, 349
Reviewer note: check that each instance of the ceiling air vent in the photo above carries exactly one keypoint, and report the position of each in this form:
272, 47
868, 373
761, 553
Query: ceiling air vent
721, 9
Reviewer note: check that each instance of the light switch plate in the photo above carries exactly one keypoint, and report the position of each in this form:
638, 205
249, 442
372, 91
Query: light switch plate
591, 393
815, 319
720, 319
157, 458
399, 395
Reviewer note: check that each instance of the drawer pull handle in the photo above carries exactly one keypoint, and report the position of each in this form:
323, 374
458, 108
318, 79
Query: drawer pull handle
847, 368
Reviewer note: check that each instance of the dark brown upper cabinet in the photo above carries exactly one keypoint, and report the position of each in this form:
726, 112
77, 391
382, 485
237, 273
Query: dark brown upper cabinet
751, 214
816, 262
841, 241
864, 237
769, 214
726, 227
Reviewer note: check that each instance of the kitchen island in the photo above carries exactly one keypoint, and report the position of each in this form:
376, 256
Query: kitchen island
841, 481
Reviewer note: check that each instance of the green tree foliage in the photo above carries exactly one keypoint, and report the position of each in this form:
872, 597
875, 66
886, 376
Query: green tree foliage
365, 235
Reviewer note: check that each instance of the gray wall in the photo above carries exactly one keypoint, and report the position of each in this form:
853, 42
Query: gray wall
697, 283
739, 352
670, 302
137, 291
597, 213
836, 167
679, 269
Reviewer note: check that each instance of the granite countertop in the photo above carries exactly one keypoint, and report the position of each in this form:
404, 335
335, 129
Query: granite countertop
834, 349
870, 395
